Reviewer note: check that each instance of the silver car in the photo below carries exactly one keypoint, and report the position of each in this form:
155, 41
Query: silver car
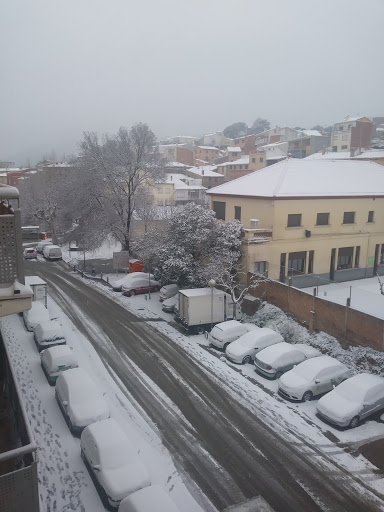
352, 401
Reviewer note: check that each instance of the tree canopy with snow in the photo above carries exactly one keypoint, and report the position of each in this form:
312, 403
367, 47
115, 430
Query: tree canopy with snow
235, 130
112, 172
259, 125
192, 247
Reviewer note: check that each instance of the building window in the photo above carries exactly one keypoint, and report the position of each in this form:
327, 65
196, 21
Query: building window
253, 160
310, 262
344, 137
382, 255
241, 166
335, 137
349, 218
371, 216
260, 268
261, 160
322, 219
357, 256
238, 212
344, 258
167, 190
219, 209
334, 149
246, 166
296, 263
159, 190
344, 146
294, 220
230, 166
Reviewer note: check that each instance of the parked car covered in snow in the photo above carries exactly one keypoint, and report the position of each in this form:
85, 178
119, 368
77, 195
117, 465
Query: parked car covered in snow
30, 253
140, 286
148, 499
52, 252
169, 305
354, 400
40, 246
112, 462
128, 278
168, 291
79, 400
36, 315
273, 361
225, 332
48, 334
243, 350
313, 377
55, 360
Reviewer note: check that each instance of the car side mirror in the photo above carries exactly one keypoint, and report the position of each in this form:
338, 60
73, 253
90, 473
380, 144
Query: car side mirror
96, 467
65, 403
317, 382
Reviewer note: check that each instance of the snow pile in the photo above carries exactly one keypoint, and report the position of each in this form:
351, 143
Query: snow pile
358, 359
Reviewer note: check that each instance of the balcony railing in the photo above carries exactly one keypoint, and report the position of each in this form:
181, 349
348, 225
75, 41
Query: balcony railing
257, 235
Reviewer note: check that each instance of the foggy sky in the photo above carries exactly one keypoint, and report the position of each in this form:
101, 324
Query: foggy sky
184, 67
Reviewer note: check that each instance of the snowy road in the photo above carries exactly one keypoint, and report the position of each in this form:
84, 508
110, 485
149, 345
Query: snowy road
230, 447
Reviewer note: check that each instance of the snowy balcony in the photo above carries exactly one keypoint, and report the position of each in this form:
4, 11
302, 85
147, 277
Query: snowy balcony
257, 235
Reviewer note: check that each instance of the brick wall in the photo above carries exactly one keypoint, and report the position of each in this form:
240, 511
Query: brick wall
349, 326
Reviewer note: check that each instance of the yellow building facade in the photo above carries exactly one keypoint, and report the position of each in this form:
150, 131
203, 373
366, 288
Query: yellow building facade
312, 223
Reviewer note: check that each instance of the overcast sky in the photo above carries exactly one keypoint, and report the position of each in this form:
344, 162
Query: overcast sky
183, 67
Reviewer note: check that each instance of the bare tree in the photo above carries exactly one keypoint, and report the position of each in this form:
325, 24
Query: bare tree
112, 171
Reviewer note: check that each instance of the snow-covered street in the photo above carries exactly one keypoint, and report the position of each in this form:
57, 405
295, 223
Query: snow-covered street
61, 468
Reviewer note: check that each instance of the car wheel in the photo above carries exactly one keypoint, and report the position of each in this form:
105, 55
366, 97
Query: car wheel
247, 359
225, 347
278, 375
354, 422
307, 397
199, 329
156, 289
133, 293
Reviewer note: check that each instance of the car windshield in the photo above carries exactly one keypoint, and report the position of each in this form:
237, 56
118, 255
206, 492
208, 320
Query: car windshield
351, 391
305, 371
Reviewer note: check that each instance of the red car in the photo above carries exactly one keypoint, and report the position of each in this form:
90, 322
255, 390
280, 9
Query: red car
140, 286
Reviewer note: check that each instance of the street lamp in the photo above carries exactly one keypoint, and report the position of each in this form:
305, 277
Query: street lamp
212, 284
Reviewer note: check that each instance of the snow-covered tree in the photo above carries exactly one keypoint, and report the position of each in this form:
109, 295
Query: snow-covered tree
45, 197
190, 244
112, 171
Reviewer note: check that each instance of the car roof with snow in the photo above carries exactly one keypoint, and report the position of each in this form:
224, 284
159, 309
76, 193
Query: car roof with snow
38, 310
147, 500
51, 329
278, 351
59, 355
319, 363
228, 325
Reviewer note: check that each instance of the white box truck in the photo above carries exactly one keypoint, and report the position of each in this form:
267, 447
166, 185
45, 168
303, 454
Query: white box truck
39, 288
201, 308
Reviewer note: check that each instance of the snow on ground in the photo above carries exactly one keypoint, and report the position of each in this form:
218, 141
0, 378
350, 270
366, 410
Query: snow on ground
66, 484
296, 420
64, 481
105, 251
365, 295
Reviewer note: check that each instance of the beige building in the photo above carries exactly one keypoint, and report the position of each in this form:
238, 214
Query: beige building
351, 133
178, 189
312, 221
205, 154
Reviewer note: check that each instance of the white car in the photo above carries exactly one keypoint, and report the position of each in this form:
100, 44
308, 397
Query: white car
52, 252
128, 278
168, 291
30, 253
112, 460
273, 361
48, 334
313, 377
40, 246
145, 500
55, 360
225, 332
244, 349
36, 315
79, 400
352, 401
169, 305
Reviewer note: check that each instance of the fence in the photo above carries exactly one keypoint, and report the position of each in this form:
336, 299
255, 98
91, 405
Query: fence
349, 326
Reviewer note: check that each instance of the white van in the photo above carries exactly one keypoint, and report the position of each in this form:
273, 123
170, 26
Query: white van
225, 332
52, 252
112, 460
145, 500
55, 360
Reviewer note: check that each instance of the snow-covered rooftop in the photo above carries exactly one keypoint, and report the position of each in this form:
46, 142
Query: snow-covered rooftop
208, 147
243, 160
309, 178
8, 192
206, 171
345, 155
311, 133
180, 181
234, 149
